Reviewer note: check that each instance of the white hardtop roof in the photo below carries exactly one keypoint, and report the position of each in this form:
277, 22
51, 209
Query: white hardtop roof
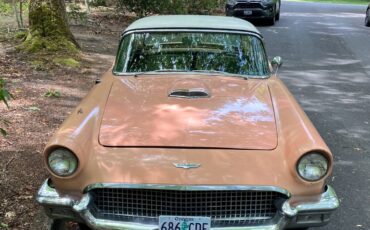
193, 22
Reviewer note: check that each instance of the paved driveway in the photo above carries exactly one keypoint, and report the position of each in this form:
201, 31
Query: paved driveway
326, 54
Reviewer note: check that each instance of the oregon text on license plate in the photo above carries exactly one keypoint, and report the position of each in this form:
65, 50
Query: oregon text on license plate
184, 223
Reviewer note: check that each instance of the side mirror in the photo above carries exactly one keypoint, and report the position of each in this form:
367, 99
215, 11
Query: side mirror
277, 62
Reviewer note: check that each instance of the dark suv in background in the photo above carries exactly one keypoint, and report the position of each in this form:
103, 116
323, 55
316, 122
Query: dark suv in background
367, 19
268, 10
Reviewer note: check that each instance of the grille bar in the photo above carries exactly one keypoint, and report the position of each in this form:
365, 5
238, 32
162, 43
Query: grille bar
247, 6
230, 208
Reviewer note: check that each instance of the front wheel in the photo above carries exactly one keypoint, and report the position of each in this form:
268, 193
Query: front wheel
277, 17
367, 19
67, 225
271, 21
59, 225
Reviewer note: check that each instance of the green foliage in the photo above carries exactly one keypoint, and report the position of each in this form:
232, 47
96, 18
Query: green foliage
74, 7
97, 3
35, 44
144, 7
21, 35
140, 7
4, 123
38, 65
3, 226
5, 8
53, 93
75, 14
4, 97
69, 62
4, 93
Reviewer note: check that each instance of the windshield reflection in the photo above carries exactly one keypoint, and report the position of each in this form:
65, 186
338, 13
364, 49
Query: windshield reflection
192, 51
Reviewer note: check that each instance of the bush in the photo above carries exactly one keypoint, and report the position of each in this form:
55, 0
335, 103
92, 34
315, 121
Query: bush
5, 8
4, 93
144, 7
4, 97
75, 15
97, 3
21, 35
140, 7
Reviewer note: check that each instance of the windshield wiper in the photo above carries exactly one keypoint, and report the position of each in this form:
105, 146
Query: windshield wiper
190, 71
162, 71
220, 72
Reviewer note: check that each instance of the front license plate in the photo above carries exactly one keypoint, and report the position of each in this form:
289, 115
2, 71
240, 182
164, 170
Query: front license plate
248, 12
184, 223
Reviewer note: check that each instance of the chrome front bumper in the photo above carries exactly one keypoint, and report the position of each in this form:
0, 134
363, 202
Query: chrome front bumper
299, 215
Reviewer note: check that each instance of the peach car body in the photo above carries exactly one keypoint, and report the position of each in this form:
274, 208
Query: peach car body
246, 135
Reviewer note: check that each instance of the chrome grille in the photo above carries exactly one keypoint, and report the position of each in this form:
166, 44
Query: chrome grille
247, 6
226, 208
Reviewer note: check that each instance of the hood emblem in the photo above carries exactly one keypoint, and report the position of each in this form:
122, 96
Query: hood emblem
186, 165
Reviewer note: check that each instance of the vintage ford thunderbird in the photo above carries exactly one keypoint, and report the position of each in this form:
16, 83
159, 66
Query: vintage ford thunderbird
191, 129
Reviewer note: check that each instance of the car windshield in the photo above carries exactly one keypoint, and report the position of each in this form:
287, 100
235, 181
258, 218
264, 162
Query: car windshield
201, 52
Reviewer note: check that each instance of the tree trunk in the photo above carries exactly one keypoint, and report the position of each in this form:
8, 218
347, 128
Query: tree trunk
87, 4
21, 14
16, 13
48, 27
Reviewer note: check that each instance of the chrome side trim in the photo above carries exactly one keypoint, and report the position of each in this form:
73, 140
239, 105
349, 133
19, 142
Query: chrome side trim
189, 187
187, 165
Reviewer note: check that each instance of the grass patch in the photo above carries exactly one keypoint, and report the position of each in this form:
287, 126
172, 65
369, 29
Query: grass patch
68, 62
37, 44
38, 65
52, 93
21, 35
353, 2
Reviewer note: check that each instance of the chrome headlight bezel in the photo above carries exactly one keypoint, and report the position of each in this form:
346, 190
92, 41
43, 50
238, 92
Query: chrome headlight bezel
317, 161
62, 162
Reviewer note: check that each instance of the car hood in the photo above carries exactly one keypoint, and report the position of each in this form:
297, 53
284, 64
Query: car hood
235, 113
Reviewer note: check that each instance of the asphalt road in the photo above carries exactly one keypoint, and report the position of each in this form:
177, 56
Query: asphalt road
326, 54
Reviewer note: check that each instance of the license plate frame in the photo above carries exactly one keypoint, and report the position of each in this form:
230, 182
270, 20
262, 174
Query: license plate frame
184, 223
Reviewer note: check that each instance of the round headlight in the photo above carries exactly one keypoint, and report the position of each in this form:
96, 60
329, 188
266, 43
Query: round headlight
62, 162
313, 166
